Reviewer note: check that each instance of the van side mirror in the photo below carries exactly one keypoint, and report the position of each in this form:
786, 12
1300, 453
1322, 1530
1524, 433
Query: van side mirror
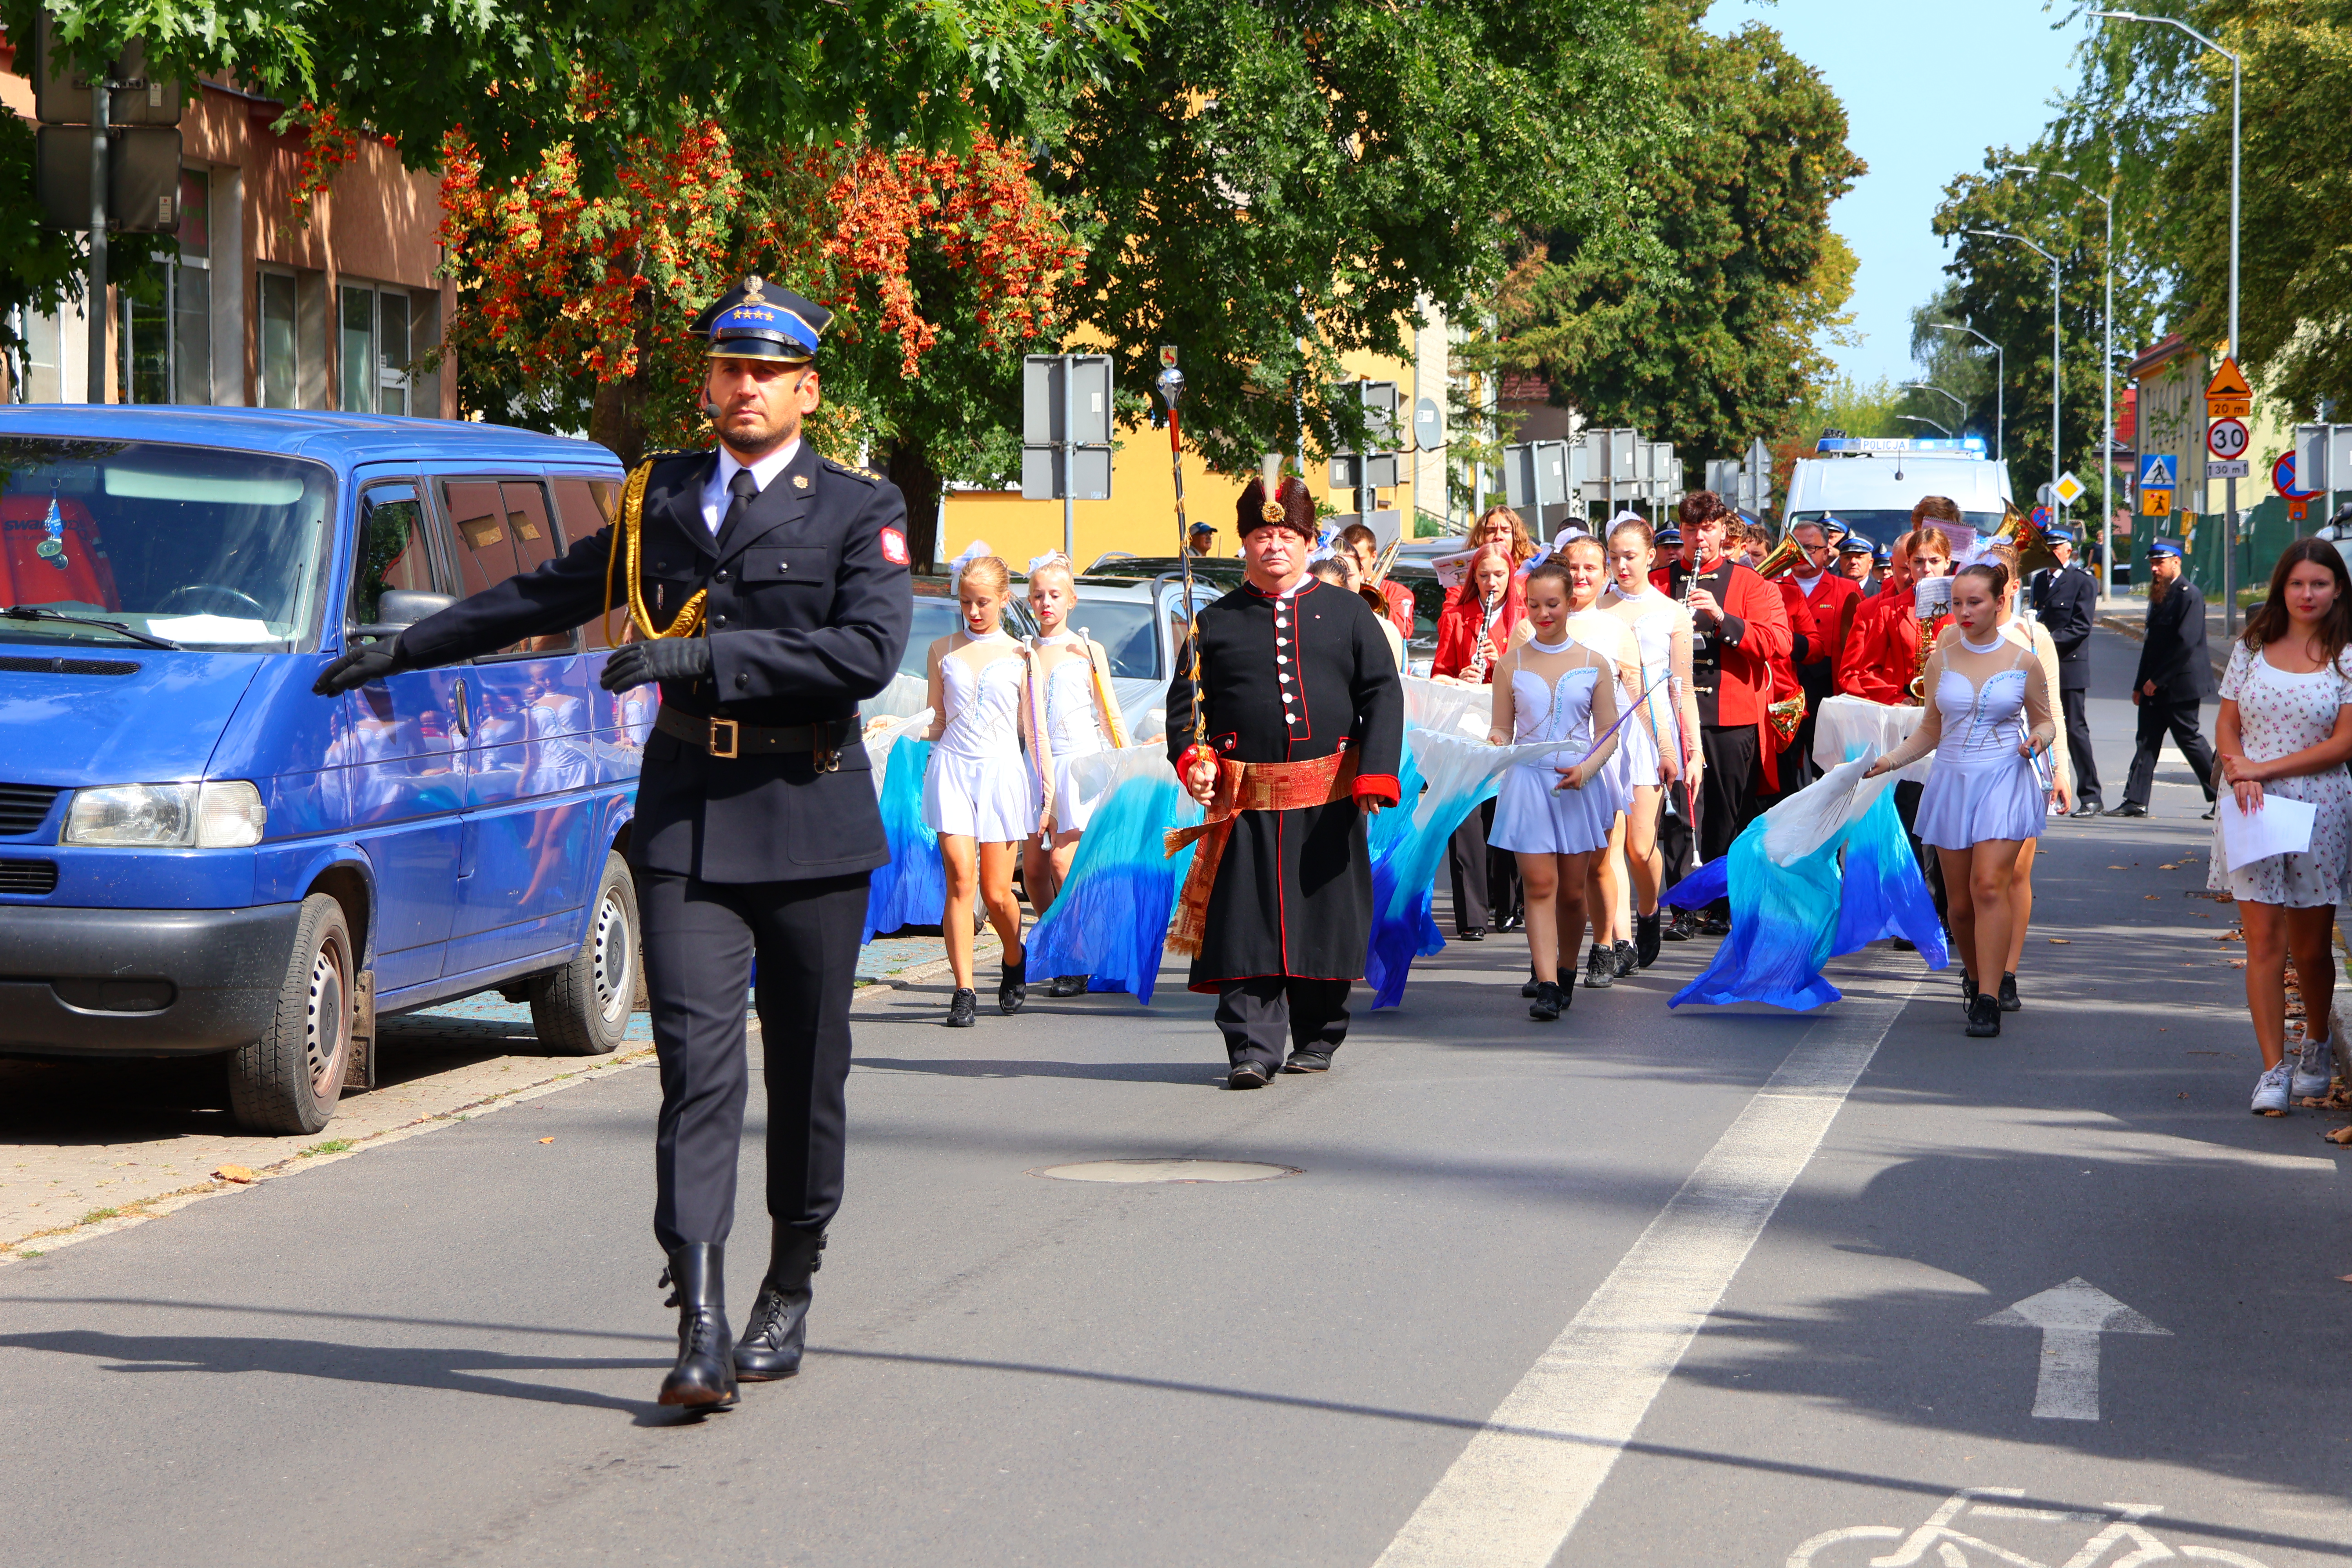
402, 607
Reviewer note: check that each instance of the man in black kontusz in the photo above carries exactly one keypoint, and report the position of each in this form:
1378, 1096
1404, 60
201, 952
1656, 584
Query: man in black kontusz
2174, 678
2066, 600
770, 593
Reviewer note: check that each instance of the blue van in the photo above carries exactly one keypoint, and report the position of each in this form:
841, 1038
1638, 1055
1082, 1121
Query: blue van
199, 856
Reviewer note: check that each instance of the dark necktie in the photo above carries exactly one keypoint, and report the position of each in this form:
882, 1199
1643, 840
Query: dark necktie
742, 487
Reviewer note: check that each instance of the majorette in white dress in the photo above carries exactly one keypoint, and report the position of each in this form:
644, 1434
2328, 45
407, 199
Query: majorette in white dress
979, 784
1531, 816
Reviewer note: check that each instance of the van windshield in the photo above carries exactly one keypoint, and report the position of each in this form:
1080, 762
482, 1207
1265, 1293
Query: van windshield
201, 546
1886, 526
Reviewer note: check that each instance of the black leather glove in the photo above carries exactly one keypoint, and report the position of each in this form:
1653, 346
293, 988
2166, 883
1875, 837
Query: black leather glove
664, 659
360, 667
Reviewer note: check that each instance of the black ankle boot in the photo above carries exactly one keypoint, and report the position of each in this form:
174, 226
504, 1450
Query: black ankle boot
1545, 1006
1567, 987
1600, 968
1013, 991
1647, 938
2009, 1002
1968, 991
704, 1377
1629, 962
1984, 1016
771, 1346
963, 1009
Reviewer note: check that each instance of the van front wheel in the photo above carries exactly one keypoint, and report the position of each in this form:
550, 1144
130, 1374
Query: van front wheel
582, 1009
288, 1081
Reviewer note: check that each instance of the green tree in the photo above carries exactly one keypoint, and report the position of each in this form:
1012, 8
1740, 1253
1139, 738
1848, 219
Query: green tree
1270, 188
2002, 289
1706, 336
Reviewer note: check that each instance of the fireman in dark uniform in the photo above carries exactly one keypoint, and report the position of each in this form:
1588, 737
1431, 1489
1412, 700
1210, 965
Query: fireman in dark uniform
767, 586
1303, 723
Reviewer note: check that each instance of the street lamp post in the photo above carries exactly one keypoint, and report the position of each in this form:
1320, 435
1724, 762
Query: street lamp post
2004, 234
2230, 542
2000, 387
1931, 386
1917, 419
2106, 384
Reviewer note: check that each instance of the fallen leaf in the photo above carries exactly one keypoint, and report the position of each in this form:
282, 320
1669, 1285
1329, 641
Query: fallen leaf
547, 1139
2151, 895
232, 1173
2168, 867
2114, 867
2061, 940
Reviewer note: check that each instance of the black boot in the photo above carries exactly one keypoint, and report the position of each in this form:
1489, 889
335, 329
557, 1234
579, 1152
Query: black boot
1968, 992
771, 1345
1647, 938
1600, 968
963, 1009
704, 1377
1545, 1006
1066, 986
2009, 1002
1984, 1016
1628, 962
1528, 987
1567, 987
1013, 991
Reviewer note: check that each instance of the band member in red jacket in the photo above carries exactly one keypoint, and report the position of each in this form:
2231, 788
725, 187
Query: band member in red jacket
1831, 599
1740, 627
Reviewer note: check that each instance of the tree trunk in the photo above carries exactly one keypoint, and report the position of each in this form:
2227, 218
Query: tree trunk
921, 485
617, 419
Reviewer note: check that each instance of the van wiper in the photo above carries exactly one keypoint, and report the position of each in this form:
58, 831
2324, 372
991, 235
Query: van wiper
36, 612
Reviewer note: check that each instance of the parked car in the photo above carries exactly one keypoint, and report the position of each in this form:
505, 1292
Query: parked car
198, 856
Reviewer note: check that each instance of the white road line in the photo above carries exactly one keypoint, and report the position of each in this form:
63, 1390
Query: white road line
1519, 1488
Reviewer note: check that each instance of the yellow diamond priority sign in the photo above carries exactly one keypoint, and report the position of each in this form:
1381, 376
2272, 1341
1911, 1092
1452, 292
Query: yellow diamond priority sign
2070, 489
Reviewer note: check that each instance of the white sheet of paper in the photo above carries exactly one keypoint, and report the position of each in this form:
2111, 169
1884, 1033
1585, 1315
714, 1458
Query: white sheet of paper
1452, 569
2281, 827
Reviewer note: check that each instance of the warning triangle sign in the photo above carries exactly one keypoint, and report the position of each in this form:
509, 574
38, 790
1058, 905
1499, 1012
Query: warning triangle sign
2229, 382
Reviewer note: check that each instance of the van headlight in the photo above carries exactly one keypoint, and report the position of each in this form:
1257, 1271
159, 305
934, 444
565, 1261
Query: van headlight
225, 815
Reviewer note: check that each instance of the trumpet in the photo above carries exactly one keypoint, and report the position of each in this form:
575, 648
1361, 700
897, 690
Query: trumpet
1785, 556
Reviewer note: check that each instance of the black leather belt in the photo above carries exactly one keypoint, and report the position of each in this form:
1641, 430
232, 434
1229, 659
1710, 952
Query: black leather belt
725, 738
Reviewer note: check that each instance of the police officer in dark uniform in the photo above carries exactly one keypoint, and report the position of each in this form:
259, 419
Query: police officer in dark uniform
767, 586
2174, 678
2066, 600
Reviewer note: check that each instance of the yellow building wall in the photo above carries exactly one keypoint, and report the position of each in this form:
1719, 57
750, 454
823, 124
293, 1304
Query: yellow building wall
1140, 517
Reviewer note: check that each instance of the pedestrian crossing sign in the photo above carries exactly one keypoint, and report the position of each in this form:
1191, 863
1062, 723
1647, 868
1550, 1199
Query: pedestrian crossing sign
2156, 473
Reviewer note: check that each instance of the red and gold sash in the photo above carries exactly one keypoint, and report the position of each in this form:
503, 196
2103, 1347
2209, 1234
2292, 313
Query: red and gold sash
1246, 786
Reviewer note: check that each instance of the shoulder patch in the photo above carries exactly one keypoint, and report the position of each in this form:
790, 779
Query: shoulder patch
894, 547
867, 475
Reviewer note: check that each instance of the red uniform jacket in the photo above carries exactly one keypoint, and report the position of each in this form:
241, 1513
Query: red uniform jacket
1754, 632
1881, 650
1833, 600
1458, 632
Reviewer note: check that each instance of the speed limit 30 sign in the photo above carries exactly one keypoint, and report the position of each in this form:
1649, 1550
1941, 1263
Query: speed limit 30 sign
2228, 438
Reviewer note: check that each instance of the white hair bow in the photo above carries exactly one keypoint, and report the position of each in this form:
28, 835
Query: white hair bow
1628, 515
971, 552
1051, 558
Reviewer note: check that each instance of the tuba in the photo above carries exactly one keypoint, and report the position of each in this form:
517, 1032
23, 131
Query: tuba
2016, 531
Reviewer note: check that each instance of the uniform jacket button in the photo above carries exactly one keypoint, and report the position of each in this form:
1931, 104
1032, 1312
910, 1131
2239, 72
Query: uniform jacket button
719, 577
743, 682
719, 620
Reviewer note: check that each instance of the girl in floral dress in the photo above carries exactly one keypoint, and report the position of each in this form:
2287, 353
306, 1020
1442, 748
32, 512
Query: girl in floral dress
2285, 730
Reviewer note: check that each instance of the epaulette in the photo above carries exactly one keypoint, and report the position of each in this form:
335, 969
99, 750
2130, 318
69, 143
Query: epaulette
663, 454
867, 475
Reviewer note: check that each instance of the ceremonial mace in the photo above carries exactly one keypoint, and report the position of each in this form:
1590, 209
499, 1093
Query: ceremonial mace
1172, 392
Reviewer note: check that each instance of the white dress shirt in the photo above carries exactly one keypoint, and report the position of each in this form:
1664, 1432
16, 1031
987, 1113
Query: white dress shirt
765, 472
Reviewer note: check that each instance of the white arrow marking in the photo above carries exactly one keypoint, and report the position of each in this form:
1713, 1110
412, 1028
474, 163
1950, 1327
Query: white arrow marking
2071, 1317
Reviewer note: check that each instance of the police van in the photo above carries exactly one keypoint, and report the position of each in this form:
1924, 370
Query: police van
1871, 483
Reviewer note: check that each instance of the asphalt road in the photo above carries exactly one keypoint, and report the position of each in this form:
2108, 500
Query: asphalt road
1637, 1289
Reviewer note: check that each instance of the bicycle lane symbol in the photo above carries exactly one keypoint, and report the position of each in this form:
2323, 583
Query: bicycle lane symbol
1954, 1548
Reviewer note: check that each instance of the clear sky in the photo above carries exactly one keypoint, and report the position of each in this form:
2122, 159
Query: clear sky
1927, 86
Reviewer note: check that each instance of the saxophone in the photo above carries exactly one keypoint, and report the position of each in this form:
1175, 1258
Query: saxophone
1926, 603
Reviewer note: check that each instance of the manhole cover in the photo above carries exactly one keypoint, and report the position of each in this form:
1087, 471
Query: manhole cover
1133, 1171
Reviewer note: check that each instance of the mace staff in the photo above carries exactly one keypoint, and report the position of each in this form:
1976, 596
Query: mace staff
1171, 393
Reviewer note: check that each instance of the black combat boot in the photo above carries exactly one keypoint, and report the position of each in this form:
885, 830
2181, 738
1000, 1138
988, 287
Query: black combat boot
1013, 991
771, 1346
704, 1377
1646, 936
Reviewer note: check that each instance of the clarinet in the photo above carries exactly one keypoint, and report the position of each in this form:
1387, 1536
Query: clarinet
1477, 670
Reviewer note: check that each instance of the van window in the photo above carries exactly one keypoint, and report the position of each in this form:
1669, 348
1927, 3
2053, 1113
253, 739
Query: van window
584, 507
392, 550
502, 527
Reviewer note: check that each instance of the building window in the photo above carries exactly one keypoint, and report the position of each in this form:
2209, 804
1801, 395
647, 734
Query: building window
375, 349
167, 344
44, 349
278, 337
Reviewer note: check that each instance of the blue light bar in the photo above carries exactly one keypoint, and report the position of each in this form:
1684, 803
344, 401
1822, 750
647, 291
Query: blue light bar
1972, 445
